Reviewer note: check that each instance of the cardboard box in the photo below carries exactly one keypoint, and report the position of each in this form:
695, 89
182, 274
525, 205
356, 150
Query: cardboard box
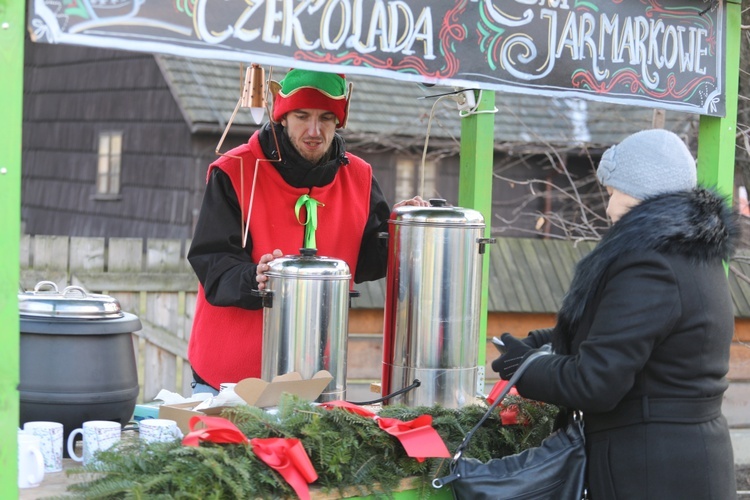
254, 392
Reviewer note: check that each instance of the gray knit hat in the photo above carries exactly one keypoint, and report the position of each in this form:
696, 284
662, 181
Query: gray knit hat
647, 163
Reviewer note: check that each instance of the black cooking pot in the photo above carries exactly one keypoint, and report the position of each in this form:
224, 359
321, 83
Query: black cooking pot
76, 357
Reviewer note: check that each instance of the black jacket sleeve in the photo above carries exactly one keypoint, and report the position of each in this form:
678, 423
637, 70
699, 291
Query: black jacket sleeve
638, 306
216, 254
537, 338
373, 251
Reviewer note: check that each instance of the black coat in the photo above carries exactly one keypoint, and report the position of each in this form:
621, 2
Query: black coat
644, 336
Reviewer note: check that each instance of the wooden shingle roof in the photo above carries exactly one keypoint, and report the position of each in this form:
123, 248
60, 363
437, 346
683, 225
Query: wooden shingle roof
529, 275
739, 284
384, 110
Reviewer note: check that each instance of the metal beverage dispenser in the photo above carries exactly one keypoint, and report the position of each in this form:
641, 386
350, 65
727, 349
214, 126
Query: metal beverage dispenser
305, 319
432, 306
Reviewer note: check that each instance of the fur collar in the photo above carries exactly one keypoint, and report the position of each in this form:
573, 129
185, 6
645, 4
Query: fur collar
697, 223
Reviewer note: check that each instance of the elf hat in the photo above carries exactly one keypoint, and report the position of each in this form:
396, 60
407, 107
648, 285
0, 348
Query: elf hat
304, 89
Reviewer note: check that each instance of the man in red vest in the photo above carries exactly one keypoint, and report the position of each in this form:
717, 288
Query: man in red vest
256, 195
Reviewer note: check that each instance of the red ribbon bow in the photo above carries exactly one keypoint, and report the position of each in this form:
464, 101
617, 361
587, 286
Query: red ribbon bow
509, 414
288, 458
285, 456
215, 430
419, 439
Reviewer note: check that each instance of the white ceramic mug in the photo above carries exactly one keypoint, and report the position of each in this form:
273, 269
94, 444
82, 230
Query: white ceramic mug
30, 460
158, 430
51, 434
98, 435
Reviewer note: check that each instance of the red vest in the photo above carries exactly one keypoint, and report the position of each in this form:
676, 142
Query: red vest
226, 342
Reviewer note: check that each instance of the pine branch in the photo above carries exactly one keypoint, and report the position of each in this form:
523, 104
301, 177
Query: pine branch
347, 450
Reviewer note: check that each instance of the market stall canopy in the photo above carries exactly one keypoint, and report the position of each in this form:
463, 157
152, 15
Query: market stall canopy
659, 53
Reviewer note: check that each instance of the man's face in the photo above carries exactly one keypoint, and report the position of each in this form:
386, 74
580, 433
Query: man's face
311, 131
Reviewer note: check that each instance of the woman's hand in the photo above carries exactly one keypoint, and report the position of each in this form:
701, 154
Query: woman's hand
262, 267
515, 352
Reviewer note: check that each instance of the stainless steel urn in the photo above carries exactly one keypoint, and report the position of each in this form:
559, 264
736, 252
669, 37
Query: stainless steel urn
432, 310
305, 319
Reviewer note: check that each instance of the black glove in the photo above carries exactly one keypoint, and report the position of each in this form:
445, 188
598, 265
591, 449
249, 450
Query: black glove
515, 352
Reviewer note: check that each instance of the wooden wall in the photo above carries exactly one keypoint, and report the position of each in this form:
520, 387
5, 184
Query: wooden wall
71, 94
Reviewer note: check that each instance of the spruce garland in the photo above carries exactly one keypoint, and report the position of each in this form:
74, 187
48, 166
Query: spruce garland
347, 450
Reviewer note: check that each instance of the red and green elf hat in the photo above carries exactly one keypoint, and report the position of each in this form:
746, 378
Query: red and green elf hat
304, 89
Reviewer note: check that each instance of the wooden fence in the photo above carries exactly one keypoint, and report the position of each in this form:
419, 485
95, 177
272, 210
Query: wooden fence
150, 278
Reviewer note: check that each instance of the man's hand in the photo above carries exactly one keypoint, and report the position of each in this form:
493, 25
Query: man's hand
263, 266
417, 201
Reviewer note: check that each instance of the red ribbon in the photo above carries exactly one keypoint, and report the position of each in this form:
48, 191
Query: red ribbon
288, 458
352, 408
419, 439
497, 389
215, 430
509, 414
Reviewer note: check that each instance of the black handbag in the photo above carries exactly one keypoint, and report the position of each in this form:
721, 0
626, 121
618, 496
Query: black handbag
554, 470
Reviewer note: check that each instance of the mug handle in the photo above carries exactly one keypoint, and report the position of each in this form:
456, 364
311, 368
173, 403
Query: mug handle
72, 445
37, 476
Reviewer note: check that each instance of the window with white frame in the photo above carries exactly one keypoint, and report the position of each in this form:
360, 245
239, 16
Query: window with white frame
409, 179
108, 166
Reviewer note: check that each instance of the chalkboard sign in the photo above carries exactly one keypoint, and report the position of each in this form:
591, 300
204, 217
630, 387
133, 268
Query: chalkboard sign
655, 53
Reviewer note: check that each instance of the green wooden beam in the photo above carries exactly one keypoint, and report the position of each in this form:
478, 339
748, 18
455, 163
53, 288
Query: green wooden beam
11, 117
717, 136
475, 188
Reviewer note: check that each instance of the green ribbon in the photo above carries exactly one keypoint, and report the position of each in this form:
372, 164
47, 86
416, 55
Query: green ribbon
311, 224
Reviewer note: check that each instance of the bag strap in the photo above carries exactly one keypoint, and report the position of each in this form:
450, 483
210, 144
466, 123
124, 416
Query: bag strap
543, 351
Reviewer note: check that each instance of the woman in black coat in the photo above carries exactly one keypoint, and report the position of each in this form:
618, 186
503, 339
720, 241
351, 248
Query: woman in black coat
642, 338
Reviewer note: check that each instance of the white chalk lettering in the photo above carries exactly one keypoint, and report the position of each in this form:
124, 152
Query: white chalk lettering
326, 26
535, 33
609, 28
292, 30
271, 18
203, 32
378, 26
244, 34
362, 25
649, 44
399, 39
422, 32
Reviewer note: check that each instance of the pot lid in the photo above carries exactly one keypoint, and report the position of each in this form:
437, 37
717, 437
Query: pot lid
73, 302
308, 266
438, 214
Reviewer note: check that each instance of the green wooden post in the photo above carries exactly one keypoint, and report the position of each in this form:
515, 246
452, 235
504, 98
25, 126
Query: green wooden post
475, 189
11, 118
717, 136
